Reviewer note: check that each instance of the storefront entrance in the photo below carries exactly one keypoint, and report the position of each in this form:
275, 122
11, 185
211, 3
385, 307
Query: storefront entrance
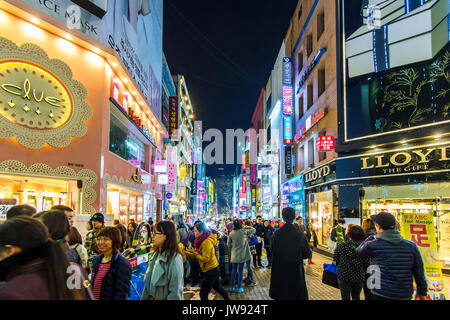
426, 198
40, 193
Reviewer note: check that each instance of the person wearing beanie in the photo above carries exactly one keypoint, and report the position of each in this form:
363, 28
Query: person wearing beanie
394, 262
98, 223
289, 247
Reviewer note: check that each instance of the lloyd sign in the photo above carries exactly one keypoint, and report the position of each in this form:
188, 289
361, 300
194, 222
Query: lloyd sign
316, 174
406, 161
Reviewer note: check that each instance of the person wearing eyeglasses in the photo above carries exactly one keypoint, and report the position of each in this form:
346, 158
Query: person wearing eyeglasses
98, 222
164, 279
111, 271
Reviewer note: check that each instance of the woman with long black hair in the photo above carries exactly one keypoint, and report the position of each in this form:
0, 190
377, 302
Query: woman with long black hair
164, 279
34, 266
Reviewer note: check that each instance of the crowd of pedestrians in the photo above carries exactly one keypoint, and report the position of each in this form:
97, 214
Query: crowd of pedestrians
37, 249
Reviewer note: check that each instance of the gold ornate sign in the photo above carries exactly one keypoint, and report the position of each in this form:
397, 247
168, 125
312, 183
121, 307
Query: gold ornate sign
40, 103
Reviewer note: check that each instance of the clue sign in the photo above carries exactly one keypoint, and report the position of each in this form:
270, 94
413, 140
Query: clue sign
325, 143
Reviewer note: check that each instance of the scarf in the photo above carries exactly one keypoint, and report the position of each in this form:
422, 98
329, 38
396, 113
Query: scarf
198, 241
13, 263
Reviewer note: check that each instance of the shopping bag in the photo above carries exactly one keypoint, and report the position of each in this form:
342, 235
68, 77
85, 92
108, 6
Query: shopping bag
329, 276
331, 244
253, 241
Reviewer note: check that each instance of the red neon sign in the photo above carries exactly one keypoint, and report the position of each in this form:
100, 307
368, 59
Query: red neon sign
287, 100
325, 143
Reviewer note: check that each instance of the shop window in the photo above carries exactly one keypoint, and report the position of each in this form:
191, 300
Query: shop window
320, 24
268, 104
309, 45
300, 12
321, 214
321, 82
301, 159
310, 95
126, 145
125, 204
300, 62
300, 107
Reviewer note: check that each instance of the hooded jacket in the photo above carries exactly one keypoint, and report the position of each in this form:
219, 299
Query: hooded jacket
164, 277
398, 261
238, 246
117, 281
207, 255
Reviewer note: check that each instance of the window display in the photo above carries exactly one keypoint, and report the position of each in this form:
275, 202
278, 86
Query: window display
125, 204
40, 193
321, 215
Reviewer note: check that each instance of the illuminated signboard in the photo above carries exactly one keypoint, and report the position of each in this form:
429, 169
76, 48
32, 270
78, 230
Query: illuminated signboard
287, 125
394, 61
287, 100
244, 183
309, 69
325, 143
244, 163
288, 159
163, 179
310, 122
160, 166
172, 168
173, 117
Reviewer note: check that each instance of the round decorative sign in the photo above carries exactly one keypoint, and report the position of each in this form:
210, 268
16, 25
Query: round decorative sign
33, 97
40, 103
169, 195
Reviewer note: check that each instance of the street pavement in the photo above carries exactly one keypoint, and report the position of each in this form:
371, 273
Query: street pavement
316, 289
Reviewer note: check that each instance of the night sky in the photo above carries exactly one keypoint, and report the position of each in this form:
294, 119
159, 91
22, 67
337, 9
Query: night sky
226, 51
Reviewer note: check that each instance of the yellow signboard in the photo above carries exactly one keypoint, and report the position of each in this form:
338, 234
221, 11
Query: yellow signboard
419, 228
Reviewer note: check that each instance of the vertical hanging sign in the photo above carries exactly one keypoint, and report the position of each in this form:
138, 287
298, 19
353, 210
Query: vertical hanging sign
173, 117
171, 169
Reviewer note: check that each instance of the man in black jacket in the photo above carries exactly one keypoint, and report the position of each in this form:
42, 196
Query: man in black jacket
259, 233
289, 247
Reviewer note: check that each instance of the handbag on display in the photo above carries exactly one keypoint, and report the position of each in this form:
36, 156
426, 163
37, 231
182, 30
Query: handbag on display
329, 276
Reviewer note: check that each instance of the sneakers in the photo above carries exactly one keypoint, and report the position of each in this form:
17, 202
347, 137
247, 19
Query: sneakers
231, 289
310, 261
250, 284
240, 290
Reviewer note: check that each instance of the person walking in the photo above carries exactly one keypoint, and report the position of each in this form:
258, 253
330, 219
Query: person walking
289, 248
268, 233
351, 267
132, 226
203, 251
259, 227
369, 227
68, 211
249, 281
299, 223
76, 243
394, 262
98, 222
33, 266
58, 227
164, 276
111, 271
239, 253
338, 233
311, 236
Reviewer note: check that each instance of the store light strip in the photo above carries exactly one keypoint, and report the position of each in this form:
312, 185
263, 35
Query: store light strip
389, 175
437, 144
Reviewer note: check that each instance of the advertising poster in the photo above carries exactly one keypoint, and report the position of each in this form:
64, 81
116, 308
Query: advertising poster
444, 243
395, 58
419, 228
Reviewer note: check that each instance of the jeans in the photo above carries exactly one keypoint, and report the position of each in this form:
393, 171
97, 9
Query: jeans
211, 281
240, 269
348, 288
249, 270
257, 256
